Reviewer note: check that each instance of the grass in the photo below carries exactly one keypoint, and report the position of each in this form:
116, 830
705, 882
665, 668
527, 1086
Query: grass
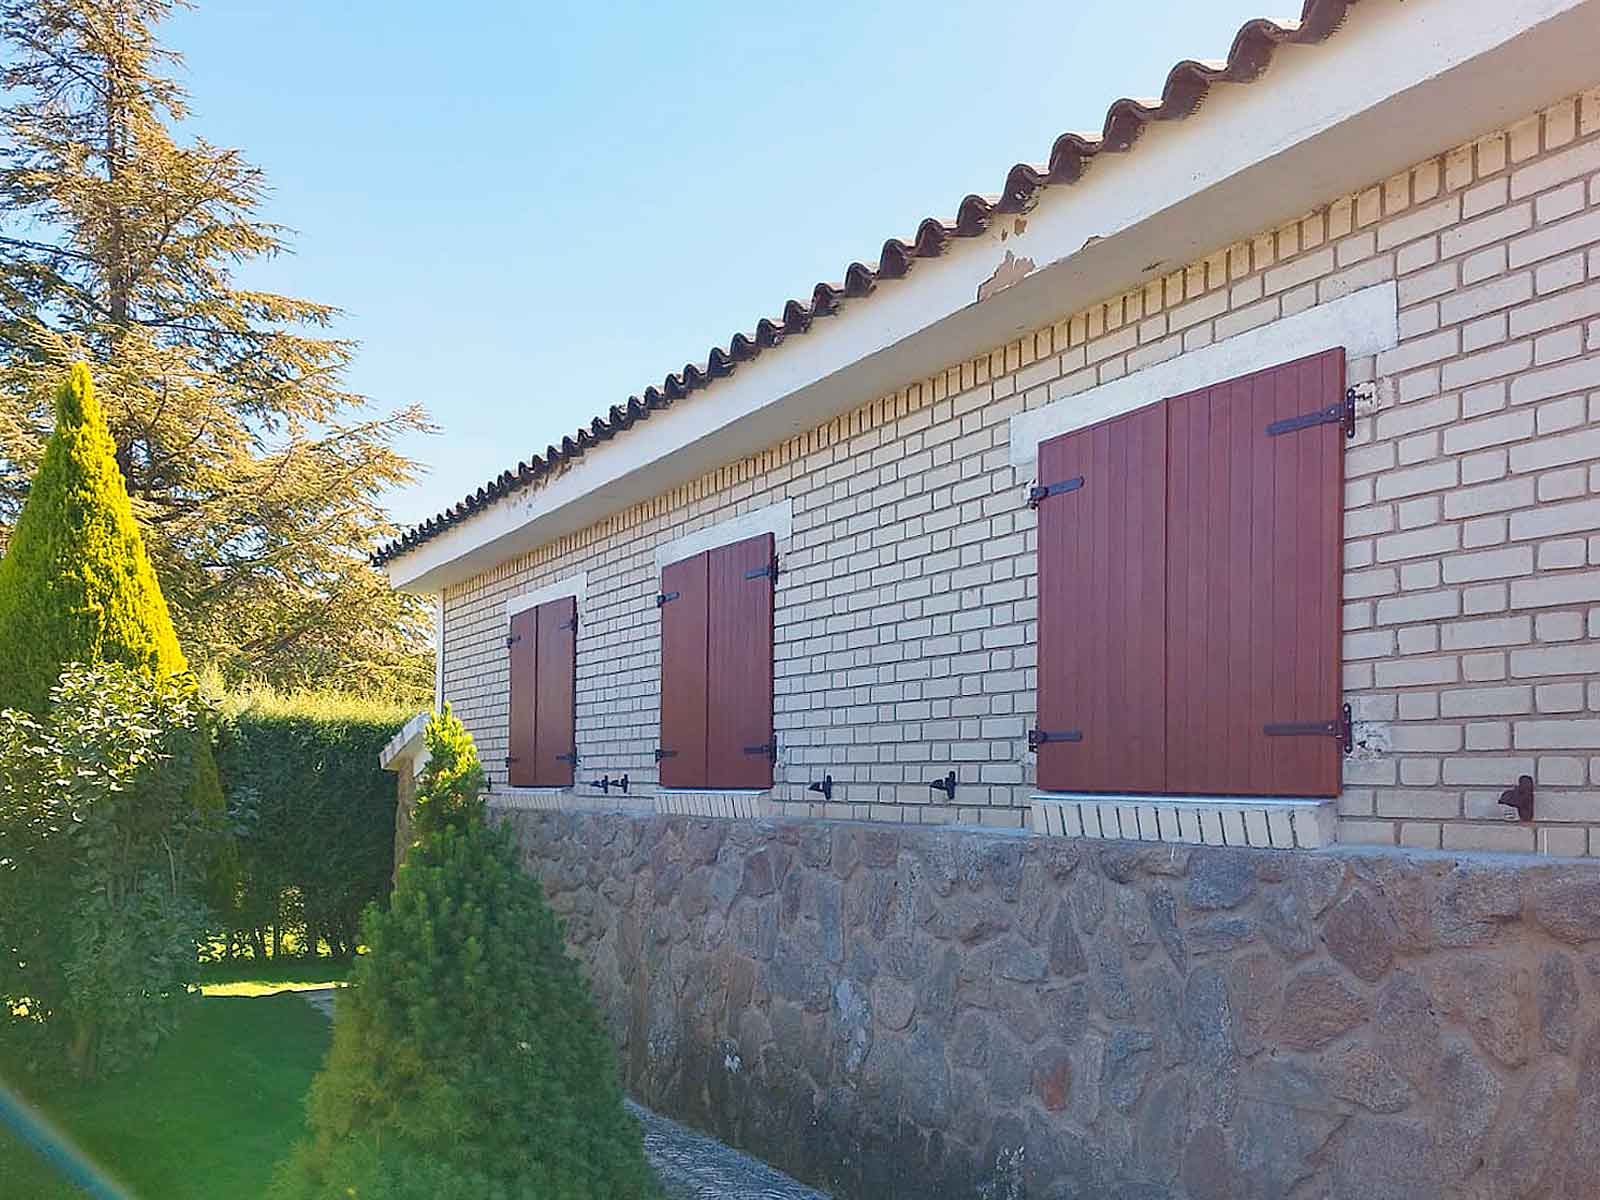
250, 978
210, 1115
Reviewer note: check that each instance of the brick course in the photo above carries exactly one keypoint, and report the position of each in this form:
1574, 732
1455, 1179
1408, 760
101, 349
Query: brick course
906, 609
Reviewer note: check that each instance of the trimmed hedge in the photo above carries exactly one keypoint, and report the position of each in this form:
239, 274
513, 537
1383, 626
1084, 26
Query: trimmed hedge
314, 819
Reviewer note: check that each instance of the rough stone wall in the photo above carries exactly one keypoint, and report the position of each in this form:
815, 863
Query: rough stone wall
906, 611
910, 1012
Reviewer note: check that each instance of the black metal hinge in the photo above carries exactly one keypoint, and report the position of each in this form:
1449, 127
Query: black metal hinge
1039, 737
660, 754
511, 758
569, 758
770, 571
1037, 494
513, 640
770, 749
572, 624
1342, 414
1343, 729
664, 597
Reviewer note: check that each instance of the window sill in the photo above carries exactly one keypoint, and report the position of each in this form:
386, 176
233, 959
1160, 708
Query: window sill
743, 803
562, 799
1282, 823
732, 803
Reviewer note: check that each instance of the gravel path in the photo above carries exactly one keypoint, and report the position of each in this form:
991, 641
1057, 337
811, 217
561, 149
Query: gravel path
695, 1167
691, 1166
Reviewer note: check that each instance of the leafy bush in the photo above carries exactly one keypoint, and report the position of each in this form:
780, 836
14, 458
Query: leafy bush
468, 1059
315, 815
103, 859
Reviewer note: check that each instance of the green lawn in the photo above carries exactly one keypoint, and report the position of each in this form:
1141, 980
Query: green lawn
209, 1116
248, 978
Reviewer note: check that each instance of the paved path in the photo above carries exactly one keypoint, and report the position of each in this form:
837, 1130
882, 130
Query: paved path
695, 1167
691, 1166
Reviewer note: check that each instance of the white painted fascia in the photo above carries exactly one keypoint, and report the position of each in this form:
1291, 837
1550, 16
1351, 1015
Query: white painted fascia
1364, 322
438, 652
573, 585
1401, 80
776, 519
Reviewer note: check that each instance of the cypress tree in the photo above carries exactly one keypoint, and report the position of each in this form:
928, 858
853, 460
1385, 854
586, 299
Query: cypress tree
76, 584
121, 242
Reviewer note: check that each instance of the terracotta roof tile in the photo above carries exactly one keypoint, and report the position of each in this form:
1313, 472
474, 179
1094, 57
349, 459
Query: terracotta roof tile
1186, 87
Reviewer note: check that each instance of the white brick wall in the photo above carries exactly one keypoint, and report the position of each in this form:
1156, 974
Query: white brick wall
906, 607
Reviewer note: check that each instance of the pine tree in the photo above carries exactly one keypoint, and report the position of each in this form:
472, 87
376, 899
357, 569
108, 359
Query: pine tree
468, 1059
258, 477
76, 584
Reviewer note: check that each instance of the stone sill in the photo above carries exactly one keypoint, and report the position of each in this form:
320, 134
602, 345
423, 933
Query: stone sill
1261, 822
748, 803
751, 804
550, 799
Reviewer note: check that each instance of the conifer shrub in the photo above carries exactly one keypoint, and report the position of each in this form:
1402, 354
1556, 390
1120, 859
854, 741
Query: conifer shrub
468, 1059
76, 585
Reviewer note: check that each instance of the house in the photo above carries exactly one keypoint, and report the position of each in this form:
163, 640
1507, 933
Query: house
1231, 475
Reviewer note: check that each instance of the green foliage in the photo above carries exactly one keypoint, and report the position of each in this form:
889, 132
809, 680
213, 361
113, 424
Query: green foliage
207, 1117
260, 477
468, 1059
314, 815
76, 584
103, 859
450, 789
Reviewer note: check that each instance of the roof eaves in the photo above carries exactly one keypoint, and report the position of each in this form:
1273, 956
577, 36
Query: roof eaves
1186, 87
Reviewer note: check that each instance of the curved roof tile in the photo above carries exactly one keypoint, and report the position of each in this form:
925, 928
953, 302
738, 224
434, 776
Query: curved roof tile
1186, 86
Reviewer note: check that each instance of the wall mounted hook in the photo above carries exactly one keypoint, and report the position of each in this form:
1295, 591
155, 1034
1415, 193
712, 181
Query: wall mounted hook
947, 785
1520, 798
823, 786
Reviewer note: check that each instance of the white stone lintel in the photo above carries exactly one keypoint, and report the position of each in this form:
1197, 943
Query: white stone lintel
576, 585
1364, 322
776, 519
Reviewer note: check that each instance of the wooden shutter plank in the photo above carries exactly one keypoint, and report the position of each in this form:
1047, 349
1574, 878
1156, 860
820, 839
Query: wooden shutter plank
557, 681
523, 667
683, 673
1254, 583
1102, 601
739, 680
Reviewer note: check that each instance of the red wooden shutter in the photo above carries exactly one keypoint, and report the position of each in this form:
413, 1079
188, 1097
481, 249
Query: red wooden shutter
1102, 598
683, 673
555, 738
739, 712
1254, 575
523, 655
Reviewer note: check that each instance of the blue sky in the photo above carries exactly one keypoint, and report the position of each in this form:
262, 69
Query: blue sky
531, 211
